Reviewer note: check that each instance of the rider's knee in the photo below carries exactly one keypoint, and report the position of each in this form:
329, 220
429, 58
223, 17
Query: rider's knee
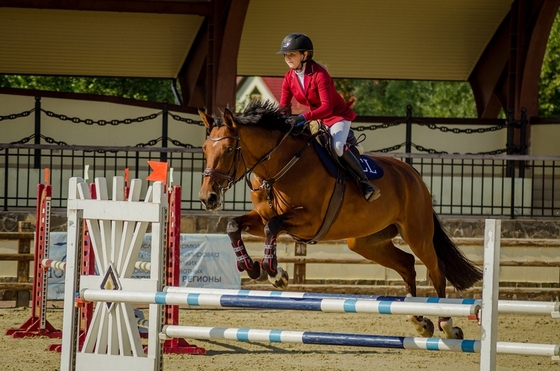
338, 147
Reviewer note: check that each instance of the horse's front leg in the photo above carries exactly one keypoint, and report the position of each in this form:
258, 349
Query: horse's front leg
276, 275
252, 223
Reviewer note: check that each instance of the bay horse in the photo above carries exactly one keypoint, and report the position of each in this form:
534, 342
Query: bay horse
291, 192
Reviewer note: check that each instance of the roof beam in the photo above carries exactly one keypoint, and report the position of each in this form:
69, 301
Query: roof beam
225, 81
508, 71
193, 72
202, 8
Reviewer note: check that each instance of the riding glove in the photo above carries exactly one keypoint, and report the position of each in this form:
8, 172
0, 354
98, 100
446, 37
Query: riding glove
296, 121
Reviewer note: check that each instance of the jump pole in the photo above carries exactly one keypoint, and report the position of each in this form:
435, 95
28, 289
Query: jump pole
504, 306
358, 340
195, 300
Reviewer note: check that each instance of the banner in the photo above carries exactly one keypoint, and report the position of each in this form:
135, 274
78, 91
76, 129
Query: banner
207, 260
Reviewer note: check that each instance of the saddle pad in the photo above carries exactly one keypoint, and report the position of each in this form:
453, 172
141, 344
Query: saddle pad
371, 169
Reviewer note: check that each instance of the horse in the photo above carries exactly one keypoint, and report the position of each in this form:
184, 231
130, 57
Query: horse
291, 192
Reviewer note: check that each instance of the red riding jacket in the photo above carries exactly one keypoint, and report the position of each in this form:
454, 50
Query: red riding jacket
320, 94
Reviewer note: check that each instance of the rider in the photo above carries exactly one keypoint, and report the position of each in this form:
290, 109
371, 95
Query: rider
311, 85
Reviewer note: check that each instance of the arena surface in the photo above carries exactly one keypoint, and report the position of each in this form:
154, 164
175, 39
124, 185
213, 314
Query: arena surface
30, 354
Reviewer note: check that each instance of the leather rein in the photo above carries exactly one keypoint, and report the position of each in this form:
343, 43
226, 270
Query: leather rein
218, 176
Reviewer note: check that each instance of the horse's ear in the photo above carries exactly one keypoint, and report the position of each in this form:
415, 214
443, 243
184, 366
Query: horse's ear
228, 119
205, 118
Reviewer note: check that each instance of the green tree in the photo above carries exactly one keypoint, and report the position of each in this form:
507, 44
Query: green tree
155, 90
391, 97
549, 92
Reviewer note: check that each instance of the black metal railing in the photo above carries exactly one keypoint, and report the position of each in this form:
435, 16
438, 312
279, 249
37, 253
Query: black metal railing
474, 185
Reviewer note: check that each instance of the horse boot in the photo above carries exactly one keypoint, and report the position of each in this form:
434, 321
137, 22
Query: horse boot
370, 191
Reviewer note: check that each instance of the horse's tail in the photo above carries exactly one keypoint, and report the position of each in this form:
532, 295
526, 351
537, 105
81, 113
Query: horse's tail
459, 270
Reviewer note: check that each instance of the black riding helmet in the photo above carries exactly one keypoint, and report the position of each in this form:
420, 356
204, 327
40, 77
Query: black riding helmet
297, 42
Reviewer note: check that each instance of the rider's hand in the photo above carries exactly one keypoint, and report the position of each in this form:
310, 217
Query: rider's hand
296, 121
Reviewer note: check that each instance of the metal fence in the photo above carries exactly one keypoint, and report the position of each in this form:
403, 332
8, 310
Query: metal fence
500, 182
474, 185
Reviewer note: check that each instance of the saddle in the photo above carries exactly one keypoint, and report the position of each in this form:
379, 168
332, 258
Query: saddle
324, 148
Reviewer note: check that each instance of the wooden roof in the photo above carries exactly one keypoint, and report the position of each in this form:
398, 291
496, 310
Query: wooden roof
206, 44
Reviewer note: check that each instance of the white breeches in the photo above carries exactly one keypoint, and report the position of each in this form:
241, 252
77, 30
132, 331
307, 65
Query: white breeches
339, 132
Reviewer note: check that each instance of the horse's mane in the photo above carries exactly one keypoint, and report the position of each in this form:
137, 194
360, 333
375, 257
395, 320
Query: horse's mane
266, 114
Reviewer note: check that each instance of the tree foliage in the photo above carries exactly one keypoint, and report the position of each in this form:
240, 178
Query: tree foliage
155, 90
549, 91
391, 97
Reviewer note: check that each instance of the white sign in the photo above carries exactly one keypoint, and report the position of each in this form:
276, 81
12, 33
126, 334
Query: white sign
207, 260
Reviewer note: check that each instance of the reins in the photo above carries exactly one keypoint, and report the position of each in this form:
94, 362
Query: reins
266, 184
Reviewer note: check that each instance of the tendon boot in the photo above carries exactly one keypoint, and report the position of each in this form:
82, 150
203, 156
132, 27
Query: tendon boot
370, 191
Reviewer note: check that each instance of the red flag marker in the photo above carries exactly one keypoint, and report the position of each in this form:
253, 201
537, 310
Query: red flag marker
159, 171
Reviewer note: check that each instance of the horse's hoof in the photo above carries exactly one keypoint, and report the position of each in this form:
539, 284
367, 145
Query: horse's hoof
255, 272
445, 324
280, 280
423, 325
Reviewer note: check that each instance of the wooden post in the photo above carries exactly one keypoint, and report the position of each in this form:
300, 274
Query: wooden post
24, 247
299, 268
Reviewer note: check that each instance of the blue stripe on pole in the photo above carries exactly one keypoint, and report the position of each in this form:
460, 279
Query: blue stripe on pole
467, 346
384, 307
377, 341
243, 334
275, 336
232, 301
160, 298
276, 293
432, 300
469, 301
350, 306
243, 292
432, 344
192, 299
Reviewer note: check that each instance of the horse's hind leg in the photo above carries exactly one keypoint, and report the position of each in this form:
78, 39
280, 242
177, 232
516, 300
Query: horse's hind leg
251, 223
380, 249
421, 244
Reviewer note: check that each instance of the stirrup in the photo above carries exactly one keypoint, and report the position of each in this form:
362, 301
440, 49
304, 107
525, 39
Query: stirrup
371, 192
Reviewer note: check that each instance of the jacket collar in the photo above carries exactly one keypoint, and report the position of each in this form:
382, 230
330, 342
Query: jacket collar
309, 67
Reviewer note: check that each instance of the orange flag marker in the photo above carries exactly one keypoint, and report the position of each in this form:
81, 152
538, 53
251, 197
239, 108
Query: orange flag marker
159, 171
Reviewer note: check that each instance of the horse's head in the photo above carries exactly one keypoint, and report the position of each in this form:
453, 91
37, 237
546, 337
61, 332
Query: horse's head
230, 154
223, 162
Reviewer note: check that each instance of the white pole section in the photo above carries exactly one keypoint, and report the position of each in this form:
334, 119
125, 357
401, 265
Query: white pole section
490, 282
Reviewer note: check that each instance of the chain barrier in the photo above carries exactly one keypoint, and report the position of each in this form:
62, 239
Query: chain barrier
434, 152
175, 142
186, 120
14, 116
361, 128
47, 139
77, 120
377, 126
445, 129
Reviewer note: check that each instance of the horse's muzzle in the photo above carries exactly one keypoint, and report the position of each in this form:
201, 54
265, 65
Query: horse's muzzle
212, 201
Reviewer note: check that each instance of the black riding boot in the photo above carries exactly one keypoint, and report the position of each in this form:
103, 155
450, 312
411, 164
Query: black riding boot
370, 191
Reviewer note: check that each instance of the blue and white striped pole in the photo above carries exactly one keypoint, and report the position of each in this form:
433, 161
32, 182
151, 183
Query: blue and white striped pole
309, 304
359, 340
504, 306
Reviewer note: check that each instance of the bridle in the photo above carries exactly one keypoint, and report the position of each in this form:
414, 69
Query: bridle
219, 176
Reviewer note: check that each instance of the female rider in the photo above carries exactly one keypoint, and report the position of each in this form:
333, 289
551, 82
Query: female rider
312, 86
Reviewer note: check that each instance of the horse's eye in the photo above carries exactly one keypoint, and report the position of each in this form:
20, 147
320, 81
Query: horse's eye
229, 149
